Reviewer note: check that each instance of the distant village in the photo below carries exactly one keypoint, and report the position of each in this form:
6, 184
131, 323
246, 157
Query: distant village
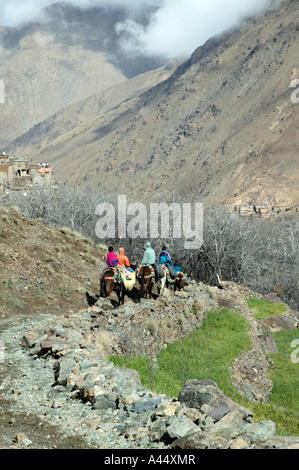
21, 174
263, 211
16, 175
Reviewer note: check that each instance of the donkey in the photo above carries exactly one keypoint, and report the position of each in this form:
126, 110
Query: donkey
161, 278
146, 281
111, 281
179, 282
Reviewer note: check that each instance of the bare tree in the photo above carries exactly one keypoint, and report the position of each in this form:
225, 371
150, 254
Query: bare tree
259, 253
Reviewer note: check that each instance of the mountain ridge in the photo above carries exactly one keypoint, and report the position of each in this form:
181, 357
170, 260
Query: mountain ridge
71, 55
225, 116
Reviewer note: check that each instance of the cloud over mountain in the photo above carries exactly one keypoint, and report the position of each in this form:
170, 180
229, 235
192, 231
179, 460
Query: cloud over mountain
174, 28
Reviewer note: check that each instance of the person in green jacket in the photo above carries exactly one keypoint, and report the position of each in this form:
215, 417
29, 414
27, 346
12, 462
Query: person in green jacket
149, 256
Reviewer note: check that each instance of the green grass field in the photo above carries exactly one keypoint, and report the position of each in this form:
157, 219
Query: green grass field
283, 404
207, 354
263, 309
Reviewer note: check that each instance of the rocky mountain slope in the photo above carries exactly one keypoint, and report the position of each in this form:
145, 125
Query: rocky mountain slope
74, 119
225, 117
43, 269
70, 56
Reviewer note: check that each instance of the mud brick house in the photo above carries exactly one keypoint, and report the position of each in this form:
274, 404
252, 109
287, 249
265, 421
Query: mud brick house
21, 174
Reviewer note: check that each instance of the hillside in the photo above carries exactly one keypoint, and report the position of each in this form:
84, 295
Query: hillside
43, 269
225, 117
74, 118
59, 388
47, 66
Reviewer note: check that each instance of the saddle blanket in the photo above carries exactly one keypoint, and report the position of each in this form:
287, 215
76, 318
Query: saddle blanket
105, 268
153, 274
128, 278
171, 279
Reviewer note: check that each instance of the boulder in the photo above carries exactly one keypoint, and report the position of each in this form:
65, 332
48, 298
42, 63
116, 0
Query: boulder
197, 393
145, 405
63, 370
280, 322
126, 378
268, 343
198, 440
217, 413
281, 442
178, 427
259, 432
50, 343
106, 401
29, 339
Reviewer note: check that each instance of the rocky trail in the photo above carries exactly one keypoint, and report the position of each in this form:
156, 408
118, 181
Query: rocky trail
58, 390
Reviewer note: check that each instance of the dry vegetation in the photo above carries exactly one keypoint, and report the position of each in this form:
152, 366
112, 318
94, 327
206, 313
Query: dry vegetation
44, 269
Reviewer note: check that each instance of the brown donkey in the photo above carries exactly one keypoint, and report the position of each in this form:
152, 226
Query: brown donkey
112, 281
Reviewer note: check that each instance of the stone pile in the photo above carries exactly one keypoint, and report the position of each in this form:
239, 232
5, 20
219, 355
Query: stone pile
117, 408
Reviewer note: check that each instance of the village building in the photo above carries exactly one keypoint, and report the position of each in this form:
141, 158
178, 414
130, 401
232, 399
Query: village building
263, 211
21, 174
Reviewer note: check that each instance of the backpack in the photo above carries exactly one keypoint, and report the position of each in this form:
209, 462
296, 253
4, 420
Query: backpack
114, 262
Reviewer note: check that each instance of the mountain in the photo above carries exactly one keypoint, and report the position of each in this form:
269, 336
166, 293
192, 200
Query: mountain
221, 129
45, 269
71, 119
71, 55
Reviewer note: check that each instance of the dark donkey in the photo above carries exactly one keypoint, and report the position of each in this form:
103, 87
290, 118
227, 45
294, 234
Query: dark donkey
146, 281
179, 282
111, 281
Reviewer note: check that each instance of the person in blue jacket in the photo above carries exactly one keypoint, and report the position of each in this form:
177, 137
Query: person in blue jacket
165, 257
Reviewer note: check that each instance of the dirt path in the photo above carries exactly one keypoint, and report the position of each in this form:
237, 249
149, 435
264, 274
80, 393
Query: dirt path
39, 434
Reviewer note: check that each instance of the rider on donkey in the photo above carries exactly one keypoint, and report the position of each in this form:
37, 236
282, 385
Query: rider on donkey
149, 256
112, 258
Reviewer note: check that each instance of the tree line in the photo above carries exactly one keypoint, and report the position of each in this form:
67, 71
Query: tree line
258, 253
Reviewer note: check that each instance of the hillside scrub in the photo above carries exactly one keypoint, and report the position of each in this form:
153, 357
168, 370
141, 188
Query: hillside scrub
43, 268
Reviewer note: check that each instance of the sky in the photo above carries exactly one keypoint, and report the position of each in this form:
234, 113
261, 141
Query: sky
175, 30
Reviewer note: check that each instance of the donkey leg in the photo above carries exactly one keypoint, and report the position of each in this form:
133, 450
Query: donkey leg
163, 282
150, 287
102, 288
122, 294
118, 290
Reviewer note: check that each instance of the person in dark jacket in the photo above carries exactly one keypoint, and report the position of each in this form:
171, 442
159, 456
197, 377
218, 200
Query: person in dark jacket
164, 257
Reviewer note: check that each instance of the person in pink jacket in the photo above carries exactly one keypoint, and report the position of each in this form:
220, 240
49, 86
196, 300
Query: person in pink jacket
112, 258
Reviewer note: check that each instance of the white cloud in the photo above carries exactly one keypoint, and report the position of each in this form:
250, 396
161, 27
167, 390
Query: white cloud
176, 29
14, 12
179, 27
